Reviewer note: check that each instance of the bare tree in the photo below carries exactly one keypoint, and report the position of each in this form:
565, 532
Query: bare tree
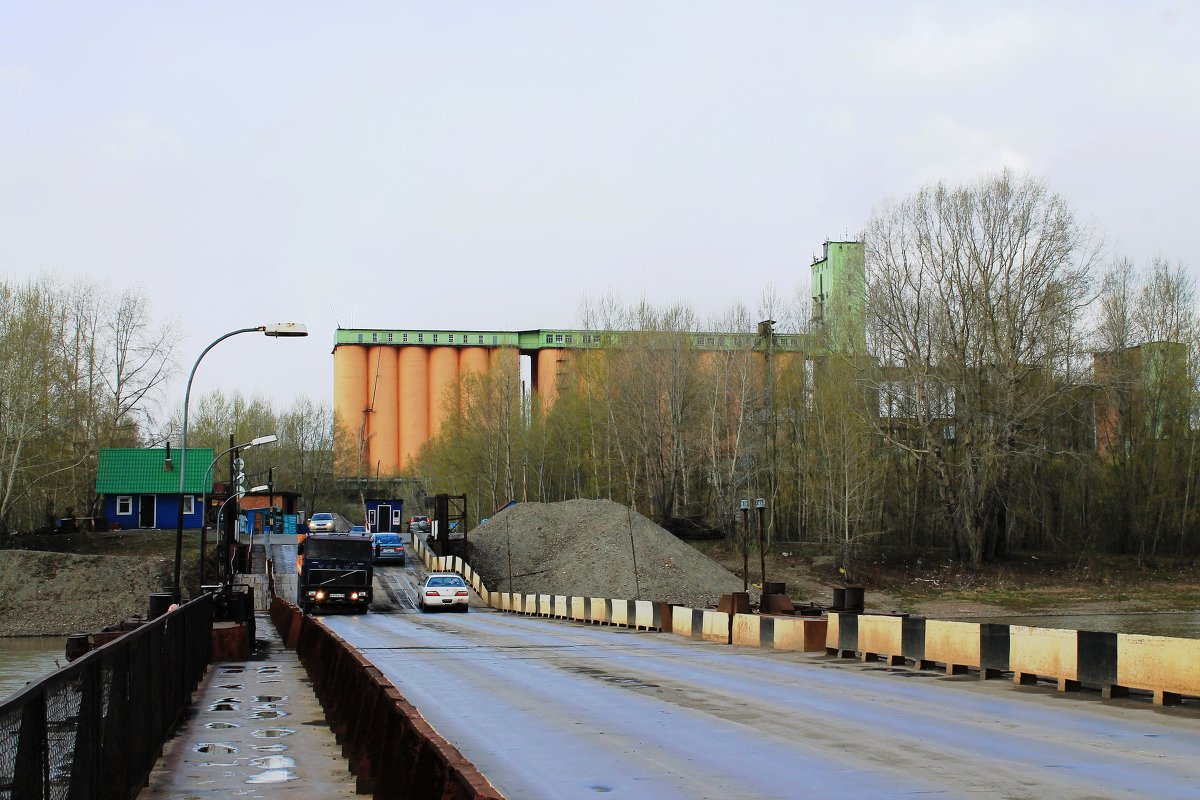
975, 296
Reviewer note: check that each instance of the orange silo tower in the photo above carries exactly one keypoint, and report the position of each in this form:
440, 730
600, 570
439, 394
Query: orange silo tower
473, 359
546, 372
350, 388
443, 386
383, 423
414, 401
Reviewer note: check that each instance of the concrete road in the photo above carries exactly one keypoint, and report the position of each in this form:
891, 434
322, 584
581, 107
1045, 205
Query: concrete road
551, 709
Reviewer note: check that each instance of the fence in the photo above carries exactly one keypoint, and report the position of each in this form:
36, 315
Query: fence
95, 728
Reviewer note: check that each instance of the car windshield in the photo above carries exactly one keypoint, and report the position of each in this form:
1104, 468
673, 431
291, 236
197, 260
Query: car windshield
387, 538
322, 516
446, 581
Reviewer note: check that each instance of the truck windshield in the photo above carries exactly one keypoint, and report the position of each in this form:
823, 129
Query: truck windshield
332, 548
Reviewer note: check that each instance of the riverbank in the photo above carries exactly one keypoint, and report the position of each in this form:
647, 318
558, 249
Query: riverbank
77, 583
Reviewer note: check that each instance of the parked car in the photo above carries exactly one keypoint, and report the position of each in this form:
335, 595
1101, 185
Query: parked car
389, 548
443, 590
419, 525
359, 529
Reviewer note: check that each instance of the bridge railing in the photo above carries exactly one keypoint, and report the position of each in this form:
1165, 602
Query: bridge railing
94, 728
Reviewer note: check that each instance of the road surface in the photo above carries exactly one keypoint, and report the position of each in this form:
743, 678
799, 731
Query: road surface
553, 709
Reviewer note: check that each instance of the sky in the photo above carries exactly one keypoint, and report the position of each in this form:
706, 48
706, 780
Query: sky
491, 165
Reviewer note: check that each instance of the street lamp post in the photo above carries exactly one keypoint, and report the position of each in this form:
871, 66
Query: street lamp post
279, 329
761, 505
745, 545
260, 440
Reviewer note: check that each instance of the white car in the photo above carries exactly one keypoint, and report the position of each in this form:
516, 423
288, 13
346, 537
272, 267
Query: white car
443, 590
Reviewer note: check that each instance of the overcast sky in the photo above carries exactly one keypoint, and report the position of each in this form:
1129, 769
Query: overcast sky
488, 165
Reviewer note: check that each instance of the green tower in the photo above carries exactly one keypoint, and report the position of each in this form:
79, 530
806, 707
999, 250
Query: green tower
839, 283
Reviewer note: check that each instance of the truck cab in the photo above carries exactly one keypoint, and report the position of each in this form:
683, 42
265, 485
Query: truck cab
334, 571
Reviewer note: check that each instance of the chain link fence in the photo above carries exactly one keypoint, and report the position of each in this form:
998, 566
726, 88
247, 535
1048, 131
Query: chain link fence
94, 728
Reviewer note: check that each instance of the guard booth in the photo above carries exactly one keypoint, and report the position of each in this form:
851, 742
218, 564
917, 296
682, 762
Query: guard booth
384, 515
448, 515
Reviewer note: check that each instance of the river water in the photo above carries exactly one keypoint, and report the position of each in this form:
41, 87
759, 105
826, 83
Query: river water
27, 658
1183, 624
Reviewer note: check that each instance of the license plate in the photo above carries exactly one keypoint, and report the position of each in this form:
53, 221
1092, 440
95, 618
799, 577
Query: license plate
337, 597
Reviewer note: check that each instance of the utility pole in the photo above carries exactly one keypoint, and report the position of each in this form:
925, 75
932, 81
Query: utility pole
745, 545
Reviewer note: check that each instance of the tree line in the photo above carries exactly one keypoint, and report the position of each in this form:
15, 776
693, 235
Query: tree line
1010, 388
82, 368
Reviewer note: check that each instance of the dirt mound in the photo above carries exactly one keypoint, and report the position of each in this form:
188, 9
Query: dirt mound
57, 594
594, 548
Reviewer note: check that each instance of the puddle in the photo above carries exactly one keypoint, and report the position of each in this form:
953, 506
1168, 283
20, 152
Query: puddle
273, 762
219, 725
216, 748
266, 670
270, 680
233, 763
272, 733
269, 698
267, 715
272, 776
223, 707
231, 686
232, 670
269, 748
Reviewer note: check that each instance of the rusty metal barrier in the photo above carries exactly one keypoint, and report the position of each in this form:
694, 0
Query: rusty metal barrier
390, 748
94, 728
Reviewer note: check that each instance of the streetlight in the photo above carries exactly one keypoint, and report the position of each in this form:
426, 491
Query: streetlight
278, 329
761, 505
260, 440
745, 545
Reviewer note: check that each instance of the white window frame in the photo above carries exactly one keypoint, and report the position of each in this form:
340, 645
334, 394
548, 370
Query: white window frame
189, 504
124, 501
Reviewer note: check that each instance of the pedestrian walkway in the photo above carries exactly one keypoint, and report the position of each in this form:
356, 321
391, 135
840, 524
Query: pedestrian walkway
255, 730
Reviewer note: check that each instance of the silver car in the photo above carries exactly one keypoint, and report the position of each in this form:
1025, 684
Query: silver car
443, 590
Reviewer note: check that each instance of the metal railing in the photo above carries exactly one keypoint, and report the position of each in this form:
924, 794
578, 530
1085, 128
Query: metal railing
94, 728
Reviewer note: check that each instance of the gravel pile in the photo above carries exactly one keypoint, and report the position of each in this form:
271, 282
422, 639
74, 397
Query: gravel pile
57, 594
589, 548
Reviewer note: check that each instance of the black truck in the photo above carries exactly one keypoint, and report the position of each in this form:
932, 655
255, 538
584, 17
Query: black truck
334, 571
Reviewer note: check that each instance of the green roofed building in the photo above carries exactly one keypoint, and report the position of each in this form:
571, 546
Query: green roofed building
140, 486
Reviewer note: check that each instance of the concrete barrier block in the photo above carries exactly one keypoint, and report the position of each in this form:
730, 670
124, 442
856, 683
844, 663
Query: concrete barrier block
619, 614
881, 635
579, 609
798, 634
561, 609
643, 615
717, 626
598, 611
832, 631
1165, 665
747, 631
681, 621
545, 605
955, 644
1048, 652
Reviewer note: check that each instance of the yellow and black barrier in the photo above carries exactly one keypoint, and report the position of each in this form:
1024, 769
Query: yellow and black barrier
1168, 668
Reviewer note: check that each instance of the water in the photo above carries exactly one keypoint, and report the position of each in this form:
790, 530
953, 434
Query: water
28, 658
1185, 624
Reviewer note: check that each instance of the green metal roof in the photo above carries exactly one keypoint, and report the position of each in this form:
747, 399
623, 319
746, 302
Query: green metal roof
140, 470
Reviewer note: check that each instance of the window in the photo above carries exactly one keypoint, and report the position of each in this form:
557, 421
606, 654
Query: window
395, 516
435, 338
389, 338
451, 338
371, 518
420, 338
495, 339
549, 338
558, 338
374, 336
569, 338
189, 504
124, 506
404, 337
481, 338
360, 338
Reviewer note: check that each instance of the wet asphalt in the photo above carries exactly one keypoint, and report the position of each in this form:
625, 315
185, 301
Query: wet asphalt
255, 730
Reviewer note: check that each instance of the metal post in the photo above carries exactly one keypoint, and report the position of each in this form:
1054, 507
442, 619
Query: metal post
745, 545
761, 505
